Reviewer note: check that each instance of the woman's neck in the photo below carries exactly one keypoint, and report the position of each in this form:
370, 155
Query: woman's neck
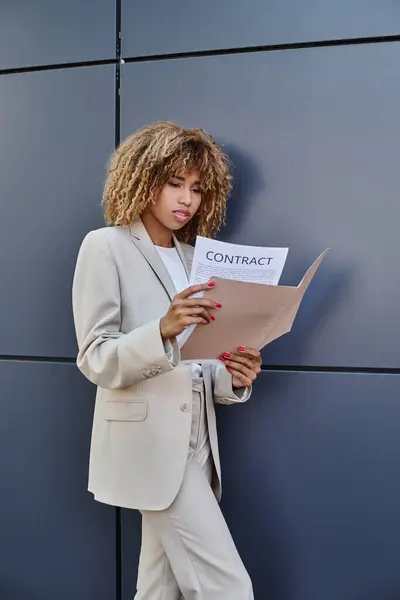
159, 235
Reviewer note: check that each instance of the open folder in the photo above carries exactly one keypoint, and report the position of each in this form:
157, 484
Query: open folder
252, 315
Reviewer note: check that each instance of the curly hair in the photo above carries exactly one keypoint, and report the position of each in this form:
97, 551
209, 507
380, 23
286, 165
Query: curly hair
144, 162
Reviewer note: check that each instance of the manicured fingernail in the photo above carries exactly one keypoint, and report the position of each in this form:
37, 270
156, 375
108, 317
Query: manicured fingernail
212, 318
227, 354
241, 348
222, 358
211, 284
218, 305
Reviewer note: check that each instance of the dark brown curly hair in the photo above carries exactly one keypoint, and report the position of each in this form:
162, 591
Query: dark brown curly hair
144, 162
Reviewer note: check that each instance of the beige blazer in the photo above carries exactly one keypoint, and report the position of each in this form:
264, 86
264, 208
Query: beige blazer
142, 417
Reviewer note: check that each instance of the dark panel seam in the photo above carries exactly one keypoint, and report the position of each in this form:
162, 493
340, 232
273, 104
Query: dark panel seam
54, 67
327, 369
117, 105
118, 519
202, 53
117, 72
265, 48
39, 359
266, 368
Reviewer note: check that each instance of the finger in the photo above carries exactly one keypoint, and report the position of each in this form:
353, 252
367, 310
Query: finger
197, 311
193, 320
252, 352
200, 302
237, 367
238, 379
195, 289
244, 360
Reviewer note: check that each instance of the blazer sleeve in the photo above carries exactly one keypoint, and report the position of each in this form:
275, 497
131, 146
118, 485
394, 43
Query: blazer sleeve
223, 390
107, 357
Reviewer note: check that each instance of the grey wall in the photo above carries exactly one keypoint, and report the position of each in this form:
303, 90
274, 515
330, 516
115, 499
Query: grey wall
310, 465
56, 32
57, 129
157, 28
313, 133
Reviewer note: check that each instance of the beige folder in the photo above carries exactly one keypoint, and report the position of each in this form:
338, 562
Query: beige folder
252, 315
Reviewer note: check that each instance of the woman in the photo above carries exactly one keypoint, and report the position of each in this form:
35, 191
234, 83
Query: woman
154, 442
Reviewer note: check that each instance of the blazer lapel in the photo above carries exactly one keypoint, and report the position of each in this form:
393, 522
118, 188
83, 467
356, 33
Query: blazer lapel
186, 260
142, 241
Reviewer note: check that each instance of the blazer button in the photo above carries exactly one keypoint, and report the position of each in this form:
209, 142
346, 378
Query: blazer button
185, 407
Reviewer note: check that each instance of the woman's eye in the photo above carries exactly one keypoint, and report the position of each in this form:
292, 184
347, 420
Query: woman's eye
197, 191
175, 185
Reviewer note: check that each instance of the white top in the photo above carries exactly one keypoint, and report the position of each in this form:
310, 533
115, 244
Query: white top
176, 270
174, 266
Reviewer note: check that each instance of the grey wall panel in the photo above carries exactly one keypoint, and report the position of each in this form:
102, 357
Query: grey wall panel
130, 551
310, 487
57, 131
155, 27
311, 490
313, 134
43, 32
56, 541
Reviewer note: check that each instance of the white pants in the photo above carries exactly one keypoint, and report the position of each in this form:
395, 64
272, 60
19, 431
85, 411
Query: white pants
187, 550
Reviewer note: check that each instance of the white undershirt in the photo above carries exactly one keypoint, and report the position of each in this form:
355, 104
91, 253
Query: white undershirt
174, 266
176, 270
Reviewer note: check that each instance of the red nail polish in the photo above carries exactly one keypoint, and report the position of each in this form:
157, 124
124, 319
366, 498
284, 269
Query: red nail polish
211, 284
241, 349
227, 354
222, 358
212, 318
218, 305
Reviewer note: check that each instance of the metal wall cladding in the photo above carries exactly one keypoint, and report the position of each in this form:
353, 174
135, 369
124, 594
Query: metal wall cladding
155, 28
310, 487
48, 33
313, 136
57, 133
310, 464
56, 541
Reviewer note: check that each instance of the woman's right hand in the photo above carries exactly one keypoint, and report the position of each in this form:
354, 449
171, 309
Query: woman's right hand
185, 311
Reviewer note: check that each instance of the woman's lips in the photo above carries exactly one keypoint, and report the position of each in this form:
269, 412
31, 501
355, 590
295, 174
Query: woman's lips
181, 215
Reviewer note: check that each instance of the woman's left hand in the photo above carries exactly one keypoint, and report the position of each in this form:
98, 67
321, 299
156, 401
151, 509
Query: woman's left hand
244, 366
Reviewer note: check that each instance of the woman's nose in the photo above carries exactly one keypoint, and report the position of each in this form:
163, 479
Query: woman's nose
186, 197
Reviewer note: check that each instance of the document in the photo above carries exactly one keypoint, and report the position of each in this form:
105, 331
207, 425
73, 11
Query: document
254, 312
235, 262
231, 261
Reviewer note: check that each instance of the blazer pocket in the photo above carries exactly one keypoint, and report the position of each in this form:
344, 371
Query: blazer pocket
134, 410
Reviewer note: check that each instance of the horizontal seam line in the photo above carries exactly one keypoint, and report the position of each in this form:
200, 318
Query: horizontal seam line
54, 67
262, 48
43, 359
200, 53
264, 368
328, 369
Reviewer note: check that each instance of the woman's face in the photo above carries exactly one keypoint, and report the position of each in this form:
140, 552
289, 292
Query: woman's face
178, 200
